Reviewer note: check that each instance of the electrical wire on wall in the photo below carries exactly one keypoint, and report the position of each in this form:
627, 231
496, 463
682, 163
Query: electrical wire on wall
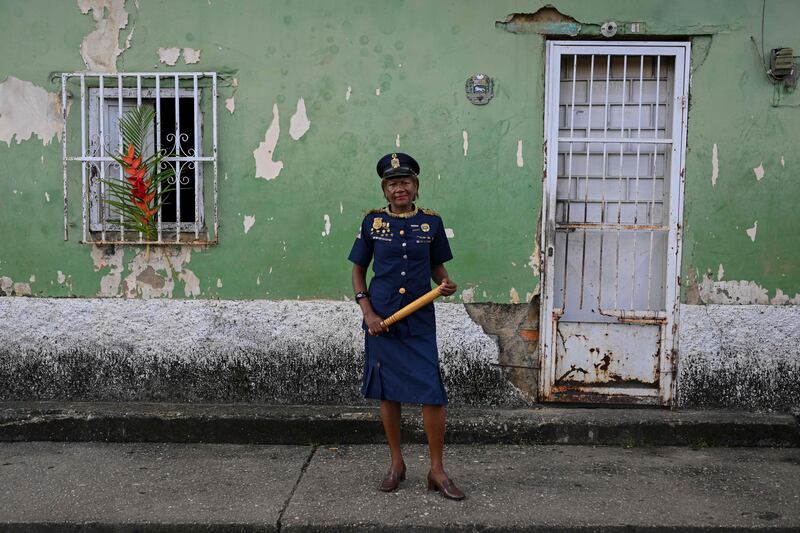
782, 72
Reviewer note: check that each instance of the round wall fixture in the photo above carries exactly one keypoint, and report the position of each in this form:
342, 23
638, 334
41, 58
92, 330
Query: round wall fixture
479, 89
609, 29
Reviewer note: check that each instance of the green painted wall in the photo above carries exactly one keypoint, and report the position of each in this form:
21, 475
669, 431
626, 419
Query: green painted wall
419, 54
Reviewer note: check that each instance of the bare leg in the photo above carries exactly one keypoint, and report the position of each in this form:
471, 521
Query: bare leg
433, 418
390, 414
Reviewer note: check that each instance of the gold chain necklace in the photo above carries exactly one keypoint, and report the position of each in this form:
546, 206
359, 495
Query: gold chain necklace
408, 214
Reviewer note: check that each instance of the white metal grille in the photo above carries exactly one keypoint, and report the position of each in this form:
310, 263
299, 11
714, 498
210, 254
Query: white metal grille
614, 141
190, 145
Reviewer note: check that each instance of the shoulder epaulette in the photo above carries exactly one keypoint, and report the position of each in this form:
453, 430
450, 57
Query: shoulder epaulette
427, 211
373, 211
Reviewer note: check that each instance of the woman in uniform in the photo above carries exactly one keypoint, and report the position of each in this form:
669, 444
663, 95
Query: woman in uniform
408, 247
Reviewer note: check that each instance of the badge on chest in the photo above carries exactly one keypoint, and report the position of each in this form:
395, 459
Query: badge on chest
422, 233
381, 228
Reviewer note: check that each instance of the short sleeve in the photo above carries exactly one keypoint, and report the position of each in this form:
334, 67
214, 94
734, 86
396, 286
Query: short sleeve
361, 253
440, 247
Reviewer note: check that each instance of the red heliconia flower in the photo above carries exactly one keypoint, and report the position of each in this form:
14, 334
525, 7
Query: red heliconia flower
129, 158
136, 172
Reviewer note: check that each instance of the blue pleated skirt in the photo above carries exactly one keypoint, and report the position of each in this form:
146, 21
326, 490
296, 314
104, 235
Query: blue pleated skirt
403, 369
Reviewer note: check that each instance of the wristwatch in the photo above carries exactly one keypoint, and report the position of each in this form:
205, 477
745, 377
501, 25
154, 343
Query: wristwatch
361, 294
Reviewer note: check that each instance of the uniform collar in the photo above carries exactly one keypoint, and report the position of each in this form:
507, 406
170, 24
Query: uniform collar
409, 214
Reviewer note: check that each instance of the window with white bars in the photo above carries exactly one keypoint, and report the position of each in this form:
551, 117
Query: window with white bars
184, 129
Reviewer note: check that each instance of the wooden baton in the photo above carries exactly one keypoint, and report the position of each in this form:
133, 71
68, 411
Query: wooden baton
420, 302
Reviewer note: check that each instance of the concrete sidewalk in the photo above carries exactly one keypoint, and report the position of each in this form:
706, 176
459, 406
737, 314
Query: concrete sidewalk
50, 486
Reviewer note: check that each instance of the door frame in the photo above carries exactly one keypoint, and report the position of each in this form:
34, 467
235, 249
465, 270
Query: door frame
669, 345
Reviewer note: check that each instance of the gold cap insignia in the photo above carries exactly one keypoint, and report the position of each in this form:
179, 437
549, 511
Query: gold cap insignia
425, 227
395, 161
377, 223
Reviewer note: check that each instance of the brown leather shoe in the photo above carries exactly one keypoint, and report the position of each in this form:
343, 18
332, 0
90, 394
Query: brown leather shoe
392, 480
446, 488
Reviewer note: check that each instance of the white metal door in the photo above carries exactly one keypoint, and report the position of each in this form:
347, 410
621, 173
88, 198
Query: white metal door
615, 128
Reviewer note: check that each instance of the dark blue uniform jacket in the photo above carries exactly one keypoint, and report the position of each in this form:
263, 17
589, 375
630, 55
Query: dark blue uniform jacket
404, 250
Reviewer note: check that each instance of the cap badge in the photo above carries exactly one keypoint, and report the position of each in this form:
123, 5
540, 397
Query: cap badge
395, 161
425, 227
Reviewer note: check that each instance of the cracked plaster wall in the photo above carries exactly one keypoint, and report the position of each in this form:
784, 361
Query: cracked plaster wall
100, 48
27, 110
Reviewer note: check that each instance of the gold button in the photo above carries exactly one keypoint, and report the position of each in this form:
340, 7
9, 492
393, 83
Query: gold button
402, 232
402, 290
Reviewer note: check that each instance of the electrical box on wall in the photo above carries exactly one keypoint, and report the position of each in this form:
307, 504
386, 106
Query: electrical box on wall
782, 67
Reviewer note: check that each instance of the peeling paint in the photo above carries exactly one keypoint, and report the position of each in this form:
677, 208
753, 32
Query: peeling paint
520, 162
783, 299
378, 91
230, 103
783, 162
22, 289
154, 276
533, 260
219, 283
26, 109
327, 230
191, 55
169, 56
732, 292
266, 168
148, 276
100, 49
47, 196
61, 278
714, 165
249, 220
759, 172
341, 208
720, 272
751, 232
348, 93
449, 232
468, 295
129, 38
191, 283
465, 136
32, 279
112, 258
299, 123
8, 287
546, 21
513, 295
